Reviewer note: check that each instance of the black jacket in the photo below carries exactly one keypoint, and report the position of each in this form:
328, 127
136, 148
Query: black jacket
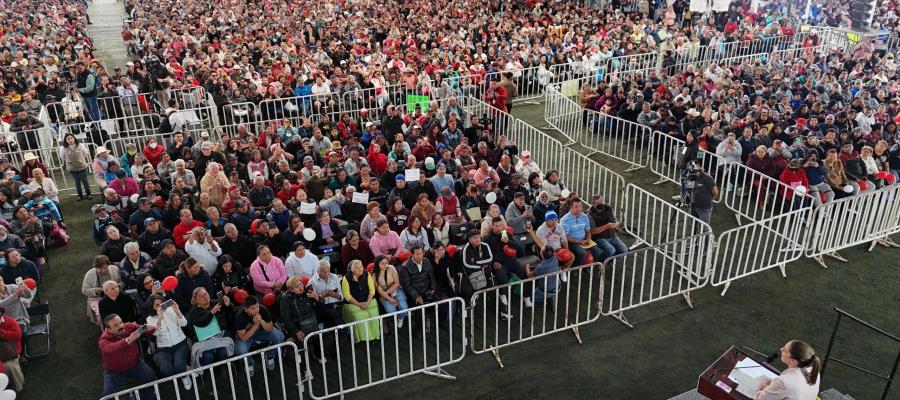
297, 310
167, 266
418, 283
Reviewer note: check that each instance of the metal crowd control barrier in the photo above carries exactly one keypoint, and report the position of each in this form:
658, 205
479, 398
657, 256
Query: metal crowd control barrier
759, 246
757, 196
654, 221
652, 274
634, 65
587, 177
43, 143
561, 113
851, 221
285, 382
560, 301
418, 347
611, 136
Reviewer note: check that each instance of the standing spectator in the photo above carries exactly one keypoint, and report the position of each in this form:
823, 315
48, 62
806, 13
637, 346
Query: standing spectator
86, 81
77, 161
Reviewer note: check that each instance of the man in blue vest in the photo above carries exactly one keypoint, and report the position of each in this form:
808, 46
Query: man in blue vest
87, 86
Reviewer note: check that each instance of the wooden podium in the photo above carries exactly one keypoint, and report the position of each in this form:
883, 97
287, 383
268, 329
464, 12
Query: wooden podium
714, 380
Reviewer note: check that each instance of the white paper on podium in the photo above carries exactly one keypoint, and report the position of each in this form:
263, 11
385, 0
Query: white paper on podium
749, 374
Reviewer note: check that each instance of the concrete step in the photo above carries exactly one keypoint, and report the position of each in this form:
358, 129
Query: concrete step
833, 394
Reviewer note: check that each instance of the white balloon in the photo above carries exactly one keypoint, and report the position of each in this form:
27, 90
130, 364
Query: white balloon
429, 163
491, 197
308, 234
800, 190
7, 395
4, 381
848, 189
565, 193
134, 198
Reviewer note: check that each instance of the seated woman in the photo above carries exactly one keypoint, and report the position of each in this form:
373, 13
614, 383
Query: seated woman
27, 227
116, 302
328, 234
836, 177
92, 285
356, 249
230, 276
171, 344
415, 235
385, 242
215, 224
358, 288
390, 294
211, 321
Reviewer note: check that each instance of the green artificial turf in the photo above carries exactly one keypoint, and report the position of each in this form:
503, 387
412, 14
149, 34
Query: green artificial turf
660, 357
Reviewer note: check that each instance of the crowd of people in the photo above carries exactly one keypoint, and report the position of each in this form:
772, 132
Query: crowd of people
211, 245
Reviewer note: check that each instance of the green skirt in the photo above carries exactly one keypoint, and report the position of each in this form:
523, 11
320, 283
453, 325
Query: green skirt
366, 331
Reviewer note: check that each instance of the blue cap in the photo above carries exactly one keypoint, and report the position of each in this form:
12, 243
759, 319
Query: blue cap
400, 177
550, 215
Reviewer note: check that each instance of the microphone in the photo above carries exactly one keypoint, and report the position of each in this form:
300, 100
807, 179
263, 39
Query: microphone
774, 356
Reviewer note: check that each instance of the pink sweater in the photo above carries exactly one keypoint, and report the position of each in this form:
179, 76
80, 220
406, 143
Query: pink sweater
382, 244
274, 270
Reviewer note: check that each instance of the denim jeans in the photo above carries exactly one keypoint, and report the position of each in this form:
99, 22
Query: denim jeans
141, 372
611, 247
275, 336
92, 108
81, 181
581, 254
402, 304
211, 356
172, 360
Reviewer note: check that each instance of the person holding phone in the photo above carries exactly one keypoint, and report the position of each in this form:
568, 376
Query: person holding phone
254, 324
122, 355
172, 349
212, 322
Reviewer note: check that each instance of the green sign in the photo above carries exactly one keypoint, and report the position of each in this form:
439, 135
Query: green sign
413, 99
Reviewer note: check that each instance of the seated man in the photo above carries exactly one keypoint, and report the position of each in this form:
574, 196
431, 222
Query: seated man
254, 325
122, 355
577, 226
603, 229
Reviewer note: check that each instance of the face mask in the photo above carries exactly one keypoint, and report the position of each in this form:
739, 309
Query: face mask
2, 261
132, 152
153, 146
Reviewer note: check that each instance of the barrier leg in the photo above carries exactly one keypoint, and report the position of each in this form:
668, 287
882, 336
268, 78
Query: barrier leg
438, 372
725, 289
633, 167
496, 354
783, 273
688, 299
621, 317
577, 334
660, 181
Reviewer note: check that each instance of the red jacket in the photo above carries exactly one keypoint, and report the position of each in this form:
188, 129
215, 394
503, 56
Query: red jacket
154, 156
10, 330
792, 178
181, 229
118, 355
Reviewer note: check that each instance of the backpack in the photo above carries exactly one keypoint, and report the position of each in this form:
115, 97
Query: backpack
165, 125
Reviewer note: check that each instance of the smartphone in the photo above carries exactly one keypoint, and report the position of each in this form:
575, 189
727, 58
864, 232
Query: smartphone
157, 285
19, 281
220, 296
166, 304
142, 330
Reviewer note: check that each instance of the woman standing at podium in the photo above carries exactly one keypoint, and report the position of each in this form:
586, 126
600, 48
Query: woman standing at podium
800, 381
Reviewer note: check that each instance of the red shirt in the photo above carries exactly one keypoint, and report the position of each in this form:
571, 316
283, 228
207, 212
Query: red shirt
183, 229
10, 331
119, 355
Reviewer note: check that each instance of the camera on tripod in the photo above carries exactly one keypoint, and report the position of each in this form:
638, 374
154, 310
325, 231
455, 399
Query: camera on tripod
689, 177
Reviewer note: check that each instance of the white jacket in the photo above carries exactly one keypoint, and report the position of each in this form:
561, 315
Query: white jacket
168, 331
790, 385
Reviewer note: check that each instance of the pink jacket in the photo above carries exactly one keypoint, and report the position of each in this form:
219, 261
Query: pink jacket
481, 176
274, 271
381, 245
